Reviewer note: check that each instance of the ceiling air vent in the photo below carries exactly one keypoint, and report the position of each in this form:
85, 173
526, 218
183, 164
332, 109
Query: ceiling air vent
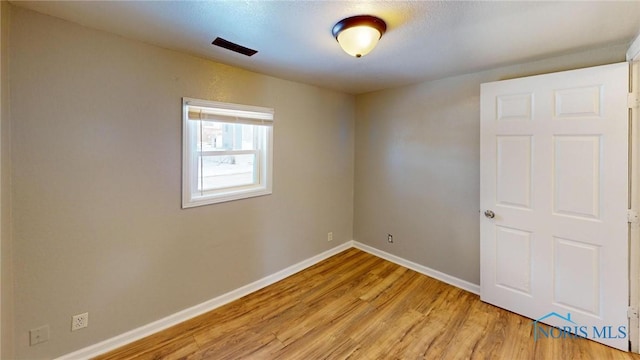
233, 47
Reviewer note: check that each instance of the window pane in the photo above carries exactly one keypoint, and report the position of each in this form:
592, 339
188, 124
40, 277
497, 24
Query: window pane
224, 171
227, 152
224, 136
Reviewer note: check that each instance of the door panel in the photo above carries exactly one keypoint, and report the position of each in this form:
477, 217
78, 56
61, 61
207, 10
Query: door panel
578, 103
513, 259
514, 171
554, 169
575, 275
514, 107
577, 157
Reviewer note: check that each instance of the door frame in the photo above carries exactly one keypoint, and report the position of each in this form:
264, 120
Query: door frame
633, 57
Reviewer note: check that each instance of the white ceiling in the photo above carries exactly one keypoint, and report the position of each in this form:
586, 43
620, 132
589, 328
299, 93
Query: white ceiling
425, 40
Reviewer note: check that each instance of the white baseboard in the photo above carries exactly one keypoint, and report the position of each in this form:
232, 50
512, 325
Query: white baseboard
184, 315
451, 280
181, 316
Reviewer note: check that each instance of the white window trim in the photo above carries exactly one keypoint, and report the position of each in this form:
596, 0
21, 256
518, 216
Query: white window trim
255, 115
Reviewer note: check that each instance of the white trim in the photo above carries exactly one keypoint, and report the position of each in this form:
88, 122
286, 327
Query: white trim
634, 190
184, 315
633, 53
451, 280
223, 108
181, 316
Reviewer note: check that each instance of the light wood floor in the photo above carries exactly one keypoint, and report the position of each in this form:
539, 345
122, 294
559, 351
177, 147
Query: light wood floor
357, 306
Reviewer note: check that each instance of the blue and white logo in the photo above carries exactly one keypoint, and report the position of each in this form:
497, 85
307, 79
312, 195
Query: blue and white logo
573, 330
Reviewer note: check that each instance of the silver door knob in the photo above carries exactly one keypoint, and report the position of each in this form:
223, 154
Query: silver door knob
490, 214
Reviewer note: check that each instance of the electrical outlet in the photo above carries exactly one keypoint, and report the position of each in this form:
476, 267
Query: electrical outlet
390, 238
330, 236
79, 321
39, 335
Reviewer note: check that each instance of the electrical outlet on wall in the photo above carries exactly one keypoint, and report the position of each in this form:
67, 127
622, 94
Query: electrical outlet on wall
79, 321
390, 238
330, 236
39, 335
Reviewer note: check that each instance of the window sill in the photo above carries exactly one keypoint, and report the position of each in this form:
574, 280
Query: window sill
224, 197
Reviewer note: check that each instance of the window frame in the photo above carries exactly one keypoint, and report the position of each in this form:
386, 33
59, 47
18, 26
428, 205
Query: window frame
261, 118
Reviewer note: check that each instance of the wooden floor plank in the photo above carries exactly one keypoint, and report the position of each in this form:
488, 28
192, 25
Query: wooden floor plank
357, 306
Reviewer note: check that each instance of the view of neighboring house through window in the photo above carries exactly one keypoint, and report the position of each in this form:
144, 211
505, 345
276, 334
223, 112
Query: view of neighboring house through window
227, 155
227, 151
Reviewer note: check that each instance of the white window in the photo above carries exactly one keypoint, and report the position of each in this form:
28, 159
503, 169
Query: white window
226, 152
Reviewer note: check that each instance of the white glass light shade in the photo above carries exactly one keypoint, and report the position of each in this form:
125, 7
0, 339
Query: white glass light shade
358, 40
358, 35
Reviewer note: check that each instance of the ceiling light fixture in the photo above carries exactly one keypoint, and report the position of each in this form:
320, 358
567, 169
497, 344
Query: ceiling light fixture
358, 35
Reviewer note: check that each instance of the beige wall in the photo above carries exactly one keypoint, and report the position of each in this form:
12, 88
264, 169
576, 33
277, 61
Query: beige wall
96, 171
418, 165
6, 291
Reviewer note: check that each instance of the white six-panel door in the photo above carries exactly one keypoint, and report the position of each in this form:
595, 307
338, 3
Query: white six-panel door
554, 172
